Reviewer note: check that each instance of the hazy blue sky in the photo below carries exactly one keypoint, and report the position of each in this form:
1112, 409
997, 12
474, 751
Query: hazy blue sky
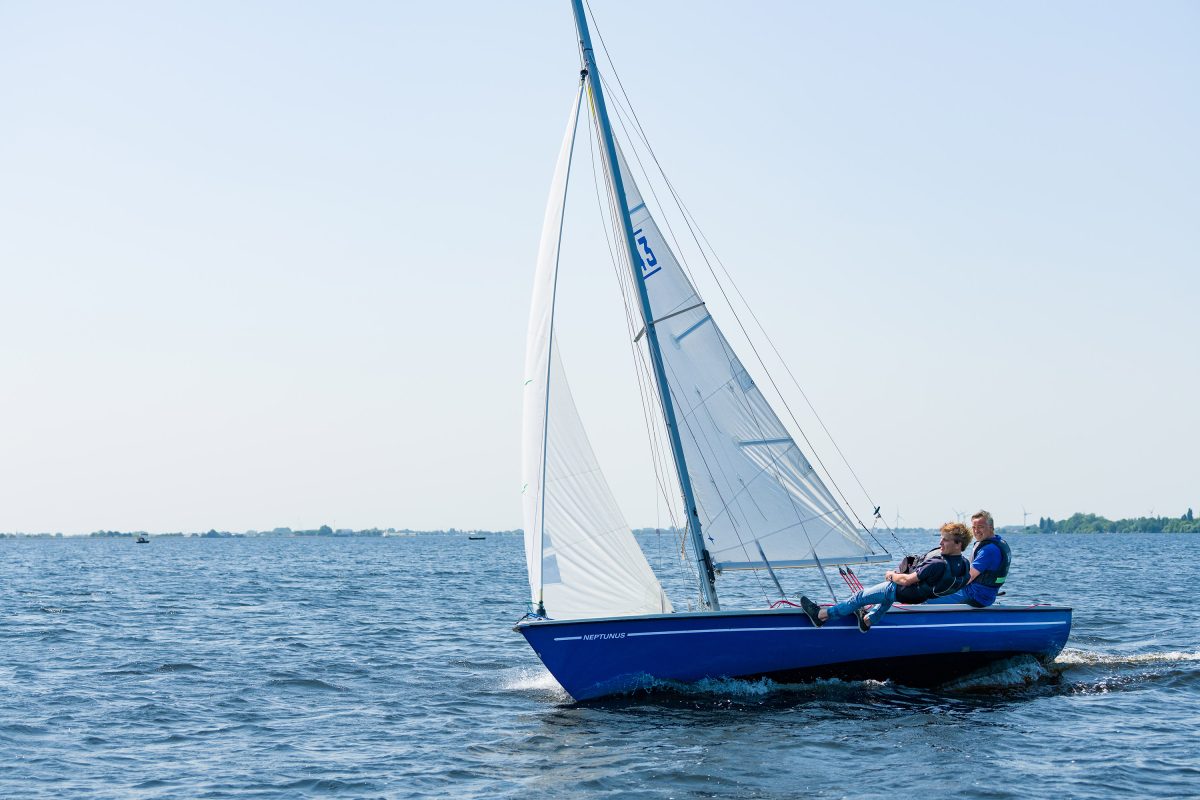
269, 263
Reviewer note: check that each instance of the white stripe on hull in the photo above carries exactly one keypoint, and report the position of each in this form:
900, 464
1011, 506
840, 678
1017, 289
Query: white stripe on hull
799, 630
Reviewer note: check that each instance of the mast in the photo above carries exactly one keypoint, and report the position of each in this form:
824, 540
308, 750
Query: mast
708, 588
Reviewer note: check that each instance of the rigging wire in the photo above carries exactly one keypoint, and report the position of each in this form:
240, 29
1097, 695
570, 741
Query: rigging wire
639, 361
733, 310
729, 356
550, 352
731, 359
727, 506
697, 235
656, 453
658, 457
682, 417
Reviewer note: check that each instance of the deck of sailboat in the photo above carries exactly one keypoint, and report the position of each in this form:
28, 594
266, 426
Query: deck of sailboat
913, 645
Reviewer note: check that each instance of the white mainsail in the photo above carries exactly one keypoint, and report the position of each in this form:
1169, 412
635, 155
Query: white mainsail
582, 558
758, 496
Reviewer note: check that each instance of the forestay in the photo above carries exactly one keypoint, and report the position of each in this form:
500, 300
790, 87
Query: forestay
757, 494
582, 558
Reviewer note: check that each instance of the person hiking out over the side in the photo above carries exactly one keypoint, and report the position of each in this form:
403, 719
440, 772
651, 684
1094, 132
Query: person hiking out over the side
942, 572
990, 561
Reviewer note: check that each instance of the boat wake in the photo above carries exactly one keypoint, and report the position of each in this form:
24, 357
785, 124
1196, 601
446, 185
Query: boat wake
1072, 657
1012, 673
1088, 672
1074, 670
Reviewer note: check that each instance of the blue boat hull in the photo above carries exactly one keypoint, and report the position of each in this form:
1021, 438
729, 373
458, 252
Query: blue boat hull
914, 645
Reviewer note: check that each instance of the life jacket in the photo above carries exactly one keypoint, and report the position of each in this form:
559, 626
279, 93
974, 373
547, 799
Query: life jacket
910, 562
956, 575
994, 578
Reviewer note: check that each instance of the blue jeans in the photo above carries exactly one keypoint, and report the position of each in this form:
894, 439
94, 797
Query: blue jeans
961, 596
958, 597
881, 595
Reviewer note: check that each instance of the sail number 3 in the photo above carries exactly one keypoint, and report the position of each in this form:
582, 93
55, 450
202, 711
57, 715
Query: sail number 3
649, 263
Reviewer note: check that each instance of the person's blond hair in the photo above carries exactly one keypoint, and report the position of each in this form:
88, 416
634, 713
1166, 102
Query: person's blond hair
958, 532
986, 517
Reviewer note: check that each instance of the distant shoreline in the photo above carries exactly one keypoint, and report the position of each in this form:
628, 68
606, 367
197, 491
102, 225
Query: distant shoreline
1091, 523
1076, 523
324, 532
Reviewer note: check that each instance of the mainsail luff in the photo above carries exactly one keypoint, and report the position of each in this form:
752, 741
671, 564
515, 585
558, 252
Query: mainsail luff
704, 570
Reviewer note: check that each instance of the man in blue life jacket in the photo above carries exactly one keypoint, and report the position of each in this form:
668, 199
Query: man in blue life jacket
940, 572
990, 561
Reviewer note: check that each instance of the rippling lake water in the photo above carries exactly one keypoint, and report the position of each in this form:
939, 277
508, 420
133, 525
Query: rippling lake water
387, 668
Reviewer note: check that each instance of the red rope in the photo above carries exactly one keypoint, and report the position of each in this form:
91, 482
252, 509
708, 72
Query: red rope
851, 579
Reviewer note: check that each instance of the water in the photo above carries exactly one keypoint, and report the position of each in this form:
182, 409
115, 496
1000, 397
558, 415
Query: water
274, 668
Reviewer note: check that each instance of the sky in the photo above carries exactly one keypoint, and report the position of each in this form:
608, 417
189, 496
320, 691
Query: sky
269, 264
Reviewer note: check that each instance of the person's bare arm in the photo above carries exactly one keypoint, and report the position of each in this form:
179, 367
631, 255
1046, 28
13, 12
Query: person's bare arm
901, 579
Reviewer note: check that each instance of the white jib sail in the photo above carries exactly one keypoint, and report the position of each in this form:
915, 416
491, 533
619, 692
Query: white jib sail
582, 558
758, 495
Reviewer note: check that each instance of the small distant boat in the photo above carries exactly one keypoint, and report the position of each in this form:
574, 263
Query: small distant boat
142, 539
476, 538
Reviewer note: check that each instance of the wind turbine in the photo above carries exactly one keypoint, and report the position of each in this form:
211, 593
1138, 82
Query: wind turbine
958, 515
1024, 517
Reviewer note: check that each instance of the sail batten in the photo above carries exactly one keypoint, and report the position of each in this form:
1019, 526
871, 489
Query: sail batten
729, 566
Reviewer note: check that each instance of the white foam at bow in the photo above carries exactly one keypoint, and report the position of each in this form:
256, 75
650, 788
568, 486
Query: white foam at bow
1072, 657
527, 679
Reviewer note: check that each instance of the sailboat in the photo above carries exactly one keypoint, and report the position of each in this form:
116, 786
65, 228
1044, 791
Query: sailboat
600, 620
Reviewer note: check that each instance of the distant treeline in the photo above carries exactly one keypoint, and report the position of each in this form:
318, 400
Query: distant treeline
1076, 523
324, 530
1090, 523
